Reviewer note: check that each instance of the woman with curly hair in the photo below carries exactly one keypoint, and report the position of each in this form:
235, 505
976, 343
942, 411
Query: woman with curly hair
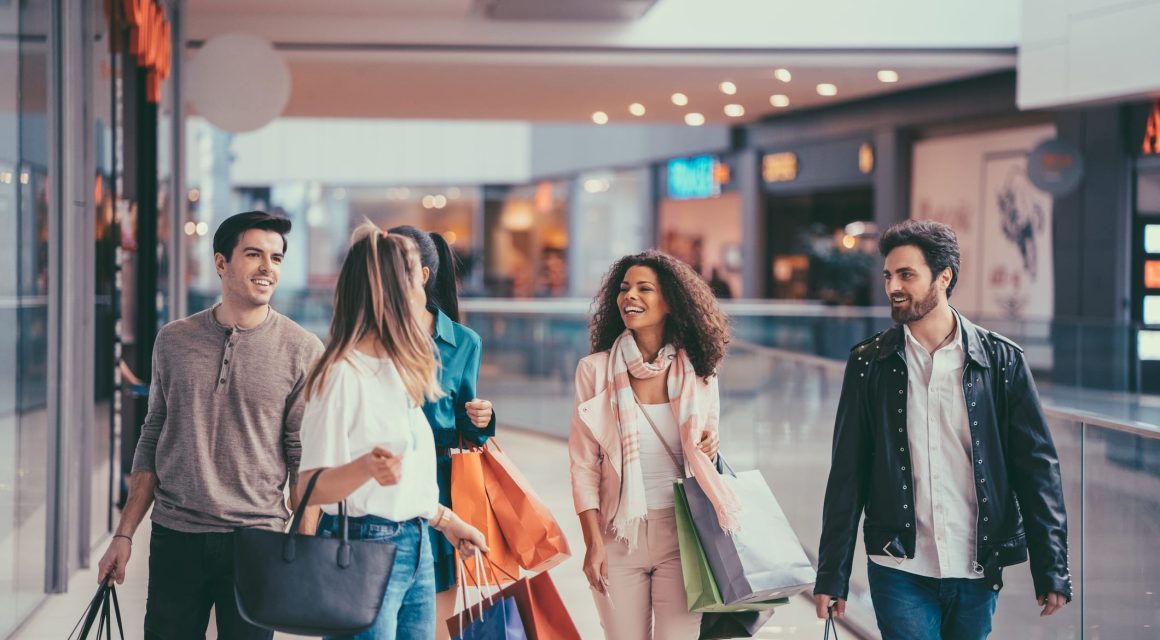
646, 414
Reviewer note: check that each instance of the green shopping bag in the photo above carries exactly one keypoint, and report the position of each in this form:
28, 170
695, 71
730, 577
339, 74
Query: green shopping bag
700, 587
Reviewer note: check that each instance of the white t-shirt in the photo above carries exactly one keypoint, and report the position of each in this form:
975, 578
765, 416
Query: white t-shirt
656, 465
363, 405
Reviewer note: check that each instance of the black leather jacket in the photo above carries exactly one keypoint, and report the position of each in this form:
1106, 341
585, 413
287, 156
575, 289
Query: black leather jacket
1020, 495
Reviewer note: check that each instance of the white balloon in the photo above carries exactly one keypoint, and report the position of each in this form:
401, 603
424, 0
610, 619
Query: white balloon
238, 82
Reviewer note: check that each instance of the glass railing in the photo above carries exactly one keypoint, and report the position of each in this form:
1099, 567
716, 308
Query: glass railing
780, 385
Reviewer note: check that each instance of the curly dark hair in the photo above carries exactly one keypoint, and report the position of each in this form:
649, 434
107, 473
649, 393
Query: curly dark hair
695, 324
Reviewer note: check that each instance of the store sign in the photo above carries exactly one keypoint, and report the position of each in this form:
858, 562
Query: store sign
698, 177
141, 28
1055, 166
779, 167
1151, 144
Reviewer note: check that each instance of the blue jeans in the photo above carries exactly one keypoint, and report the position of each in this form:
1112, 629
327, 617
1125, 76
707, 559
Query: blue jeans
914, 607
408, 611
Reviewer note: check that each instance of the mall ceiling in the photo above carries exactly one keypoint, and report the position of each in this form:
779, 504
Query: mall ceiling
538, 61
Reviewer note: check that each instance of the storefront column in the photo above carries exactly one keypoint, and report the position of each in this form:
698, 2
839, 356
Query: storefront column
892, 155
747, 177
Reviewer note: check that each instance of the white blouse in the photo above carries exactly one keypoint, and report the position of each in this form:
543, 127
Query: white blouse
363, 405
656, 464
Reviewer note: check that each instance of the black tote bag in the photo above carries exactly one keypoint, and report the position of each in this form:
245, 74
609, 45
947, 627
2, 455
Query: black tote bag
733, 624
307, 585
98, 616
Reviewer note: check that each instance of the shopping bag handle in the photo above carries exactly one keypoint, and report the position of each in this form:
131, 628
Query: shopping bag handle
723, 467
830, 623
289, 547
479, 583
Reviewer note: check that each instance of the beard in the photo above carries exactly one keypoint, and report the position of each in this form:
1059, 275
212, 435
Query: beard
917, 309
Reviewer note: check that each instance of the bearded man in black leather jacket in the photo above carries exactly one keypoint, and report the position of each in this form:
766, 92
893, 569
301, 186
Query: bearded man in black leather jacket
940, 439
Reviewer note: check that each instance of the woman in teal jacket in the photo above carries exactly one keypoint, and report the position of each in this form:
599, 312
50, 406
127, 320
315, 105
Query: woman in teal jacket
459, 415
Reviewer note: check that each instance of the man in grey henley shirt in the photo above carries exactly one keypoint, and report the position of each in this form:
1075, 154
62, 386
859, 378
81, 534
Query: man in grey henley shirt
220, 441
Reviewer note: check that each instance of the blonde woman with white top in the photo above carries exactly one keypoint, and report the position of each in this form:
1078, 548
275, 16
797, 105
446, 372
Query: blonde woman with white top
364, 430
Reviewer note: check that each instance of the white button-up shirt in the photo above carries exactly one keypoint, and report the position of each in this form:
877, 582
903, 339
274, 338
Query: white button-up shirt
944, 501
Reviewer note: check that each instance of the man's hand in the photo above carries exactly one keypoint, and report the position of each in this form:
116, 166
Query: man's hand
822, 604
382, 466
479, 411
115, 560
1051, 603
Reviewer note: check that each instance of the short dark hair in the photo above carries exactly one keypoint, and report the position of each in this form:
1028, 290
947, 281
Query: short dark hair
937, 241
225, 239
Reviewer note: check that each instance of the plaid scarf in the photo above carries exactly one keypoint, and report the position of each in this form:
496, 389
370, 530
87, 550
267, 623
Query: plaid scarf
689, 403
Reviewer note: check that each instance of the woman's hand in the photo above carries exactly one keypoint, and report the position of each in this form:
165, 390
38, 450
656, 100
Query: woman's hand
466, 538
382, 466
479, 411
596, 567
710, 443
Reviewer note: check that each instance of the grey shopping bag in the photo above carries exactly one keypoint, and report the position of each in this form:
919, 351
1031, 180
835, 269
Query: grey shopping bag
761, 561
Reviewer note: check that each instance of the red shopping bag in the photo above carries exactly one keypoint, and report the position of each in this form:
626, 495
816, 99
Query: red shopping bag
528, 526
469, 501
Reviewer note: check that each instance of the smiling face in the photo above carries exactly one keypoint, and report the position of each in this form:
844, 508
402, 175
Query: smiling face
642, 304
913, 290
251, 274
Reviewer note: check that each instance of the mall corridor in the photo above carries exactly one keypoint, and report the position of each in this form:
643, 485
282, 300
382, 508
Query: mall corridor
544, 459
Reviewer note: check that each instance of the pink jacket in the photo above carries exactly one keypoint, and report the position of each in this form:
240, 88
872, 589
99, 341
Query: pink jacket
594, 440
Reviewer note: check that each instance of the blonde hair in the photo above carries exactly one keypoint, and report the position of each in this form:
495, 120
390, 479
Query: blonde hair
374, 298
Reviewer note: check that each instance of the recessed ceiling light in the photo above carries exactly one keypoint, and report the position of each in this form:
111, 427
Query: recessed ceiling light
600, 117
694, 119
779, 100
728, 88
734, 110
637, 109
827, 89
888, 76
783, 74
680, 99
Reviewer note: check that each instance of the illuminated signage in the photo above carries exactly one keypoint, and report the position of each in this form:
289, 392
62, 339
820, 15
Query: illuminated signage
1151, 144
779, 167
1152, 274
699, 177
866, 158
141, 28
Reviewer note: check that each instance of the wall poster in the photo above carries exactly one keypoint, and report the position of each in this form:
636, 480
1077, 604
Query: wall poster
978, 184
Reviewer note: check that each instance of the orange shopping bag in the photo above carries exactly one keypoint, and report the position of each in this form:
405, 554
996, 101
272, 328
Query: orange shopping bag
528, 526
469, 501
541, 609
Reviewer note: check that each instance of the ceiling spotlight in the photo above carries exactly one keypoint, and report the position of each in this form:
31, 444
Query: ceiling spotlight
202, 228
783, 74
428, 201
728, 88
600, 117
190, 228
734, 110
887, 76
780, 100
636, 109
827, 89
680, 99
694, 119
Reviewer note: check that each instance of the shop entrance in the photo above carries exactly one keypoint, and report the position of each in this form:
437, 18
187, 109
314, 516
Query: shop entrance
820, 245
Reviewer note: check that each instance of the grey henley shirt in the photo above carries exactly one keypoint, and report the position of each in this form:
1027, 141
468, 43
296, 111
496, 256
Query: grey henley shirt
225, 412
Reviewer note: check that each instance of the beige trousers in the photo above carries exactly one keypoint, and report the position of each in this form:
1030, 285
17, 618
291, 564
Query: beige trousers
646, 592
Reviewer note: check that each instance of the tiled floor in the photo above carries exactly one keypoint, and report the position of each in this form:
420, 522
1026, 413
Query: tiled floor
543, 459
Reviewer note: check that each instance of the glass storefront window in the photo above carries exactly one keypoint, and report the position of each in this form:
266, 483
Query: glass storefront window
526, 246
23, 306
